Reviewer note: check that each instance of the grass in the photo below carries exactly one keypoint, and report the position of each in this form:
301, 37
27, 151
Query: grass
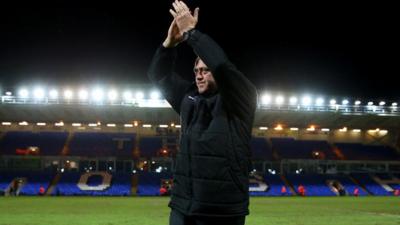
154, 210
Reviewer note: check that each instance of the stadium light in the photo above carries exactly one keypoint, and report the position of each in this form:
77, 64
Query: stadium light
293, 100
356, 130
111, 125
112, 95
319, 101
127, 95
23, 123
147, 125
139, 95
23, 93
38, 93
6, 123
263, 128
97, 95
325, 129
163, 126
53, 94
278, 127
68, 94
344, 129
154, 95
378, 131
306, 100
279, 100
373, 131
83, 95
159, 169
41, 124
294, 129
76, 124
178, 126
383, 132
59, 124
311, 128
266, 99
128, 125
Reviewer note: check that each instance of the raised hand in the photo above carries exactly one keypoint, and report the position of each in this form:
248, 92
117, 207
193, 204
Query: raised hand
174, 36
183, 16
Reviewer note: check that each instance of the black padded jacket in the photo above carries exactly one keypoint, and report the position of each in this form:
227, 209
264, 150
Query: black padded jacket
213, 162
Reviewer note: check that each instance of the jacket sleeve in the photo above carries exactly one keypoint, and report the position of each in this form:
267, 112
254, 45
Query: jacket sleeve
238, 93
161, 73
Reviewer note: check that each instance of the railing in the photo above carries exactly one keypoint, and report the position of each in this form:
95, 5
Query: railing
165, 164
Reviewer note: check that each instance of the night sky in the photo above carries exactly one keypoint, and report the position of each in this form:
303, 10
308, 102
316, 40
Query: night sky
331, 49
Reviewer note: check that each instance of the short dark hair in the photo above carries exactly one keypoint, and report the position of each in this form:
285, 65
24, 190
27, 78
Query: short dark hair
196, 61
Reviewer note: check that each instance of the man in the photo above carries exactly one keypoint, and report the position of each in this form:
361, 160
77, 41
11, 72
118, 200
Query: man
211, 180
42, 191
163, 190
302, 190
283, 190
356, 192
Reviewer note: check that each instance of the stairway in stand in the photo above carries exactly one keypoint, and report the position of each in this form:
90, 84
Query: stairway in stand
53, 184
65, 150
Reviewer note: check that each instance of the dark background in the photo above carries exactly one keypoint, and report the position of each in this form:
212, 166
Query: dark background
332, 49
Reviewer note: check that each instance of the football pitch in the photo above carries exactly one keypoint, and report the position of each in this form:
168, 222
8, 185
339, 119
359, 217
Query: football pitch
154, 210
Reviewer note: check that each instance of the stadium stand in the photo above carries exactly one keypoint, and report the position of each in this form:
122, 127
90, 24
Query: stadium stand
48, 143
358, 151
289, 148
371, 185
30, 182
150, 146
150, 183
260, 148
68, 185
70, 160
102, 144
273, 186
315, 184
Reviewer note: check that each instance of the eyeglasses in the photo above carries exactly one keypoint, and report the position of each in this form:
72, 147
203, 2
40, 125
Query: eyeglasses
201, 70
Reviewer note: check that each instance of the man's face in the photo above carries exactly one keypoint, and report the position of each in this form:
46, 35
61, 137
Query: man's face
204, 78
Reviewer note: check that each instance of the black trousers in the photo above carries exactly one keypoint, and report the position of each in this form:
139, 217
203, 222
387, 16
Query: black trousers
177, 218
